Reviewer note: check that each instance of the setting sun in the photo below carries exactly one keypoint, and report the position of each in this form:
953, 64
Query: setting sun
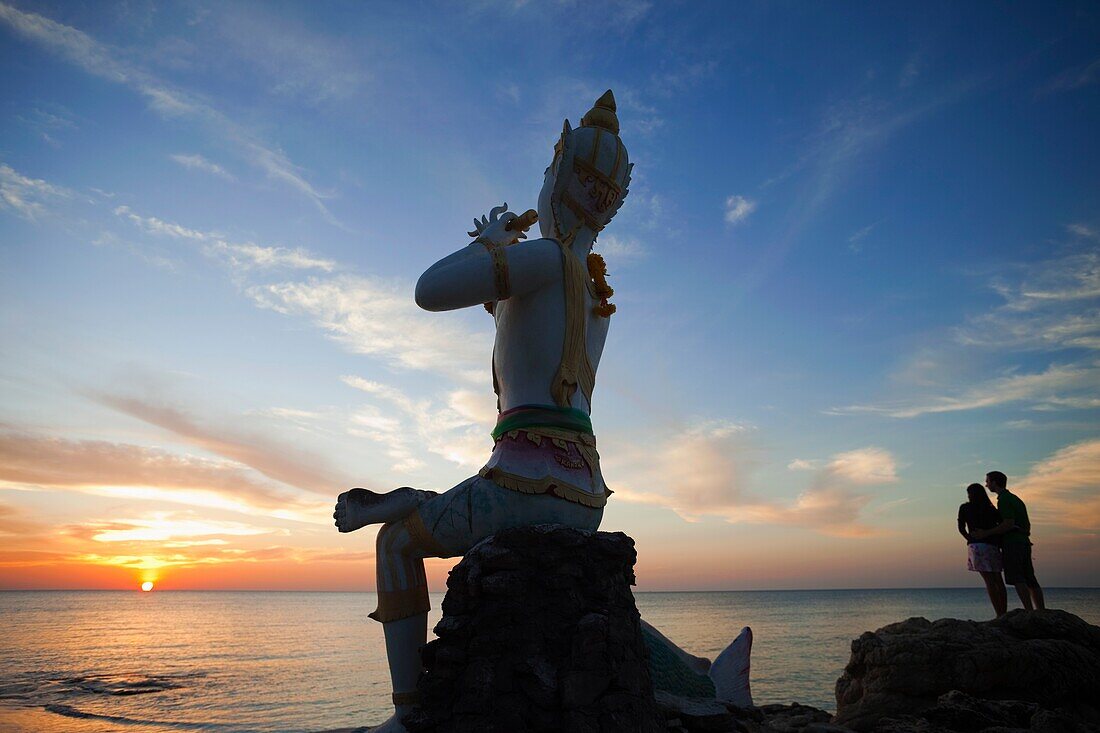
147, 586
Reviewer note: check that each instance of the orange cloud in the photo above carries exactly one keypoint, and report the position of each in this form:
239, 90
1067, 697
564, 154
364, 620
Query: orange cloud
31, 459
1065, 488
274, 459
137, 472
706, 471
12, 522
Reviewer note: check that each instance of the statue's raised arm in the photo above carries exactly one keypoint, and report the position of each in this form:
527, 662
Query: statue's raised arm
483, 272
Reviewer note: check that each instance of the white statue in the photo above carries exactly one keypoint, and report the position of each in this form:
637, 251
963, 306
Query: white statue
551, 323
548, 297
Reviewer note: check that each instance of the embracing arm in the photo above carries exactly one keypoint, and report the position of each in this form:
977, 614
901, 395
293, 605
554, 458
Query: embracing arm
479, 274
962, 529
1004, 526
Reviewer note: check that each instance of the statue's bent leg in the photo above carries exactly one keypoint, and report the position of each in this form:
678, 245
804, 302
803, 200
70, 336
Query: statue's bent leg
403, 604
446, 525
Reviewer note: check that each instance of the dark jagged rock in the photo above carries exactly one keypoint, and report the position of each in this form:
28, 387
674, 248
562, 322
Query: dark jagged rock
539, 633
702, 715
957, 712
1027, 671
796, 718
696, 714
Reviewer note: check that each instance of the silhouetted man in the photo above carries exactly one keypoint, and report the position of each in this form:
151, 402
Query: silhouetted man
1016, 542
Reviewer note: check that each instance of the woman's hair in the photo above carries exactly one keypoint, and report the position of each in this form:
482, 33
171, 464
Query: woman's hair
977, 495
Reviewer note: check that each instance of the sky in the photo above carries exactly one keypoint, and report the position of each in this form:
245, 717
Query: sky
858, 267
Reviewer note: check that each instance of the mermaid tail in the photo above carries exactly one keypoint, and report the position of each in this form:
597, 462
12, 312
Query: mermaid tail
730, 671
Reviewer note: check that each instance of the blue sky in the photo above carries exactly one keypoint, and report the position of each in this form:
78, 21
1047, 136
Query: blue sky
858, 267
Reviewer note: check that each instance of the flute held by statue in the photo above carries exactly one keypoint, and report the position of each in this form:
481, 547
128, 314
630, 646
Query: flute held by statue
523, 222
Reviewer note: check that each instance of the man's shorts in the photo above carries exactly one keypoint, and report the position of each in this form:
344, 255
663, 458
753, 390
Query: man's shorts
1017, 562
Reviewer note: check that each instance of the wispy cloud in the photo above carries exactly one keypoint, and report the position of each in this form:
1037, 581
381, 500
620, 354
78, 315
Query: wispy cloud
615, 15
326, 68
199, 163
1057, 386
49, 124
855, 241
238, 255
141, 473
455, 428
1049, 305
738, 209
1083, 230
1074, 78
13, 521
97, 59
28, 197
274, 459
706, 471
681, 76
379, 318
910, 71
171, 529
848, 132
621, 249
864, 466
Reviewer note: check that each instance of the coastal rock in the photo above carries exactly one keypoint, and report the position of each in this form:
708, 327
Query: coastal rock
957, 712
539, 633
797, 718
706, 715
696, 714
1026, 671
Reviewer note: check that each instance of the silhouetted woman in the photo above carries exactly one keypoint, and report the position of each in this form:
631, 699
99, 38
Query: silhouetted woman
983, 556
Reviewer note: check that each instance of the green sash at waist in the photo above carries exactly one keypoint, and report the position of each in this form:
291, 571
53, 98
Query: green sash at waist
542, 416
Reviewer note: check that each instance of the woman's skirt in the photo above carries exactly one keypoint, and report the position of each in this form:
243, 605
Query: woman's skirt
982, 557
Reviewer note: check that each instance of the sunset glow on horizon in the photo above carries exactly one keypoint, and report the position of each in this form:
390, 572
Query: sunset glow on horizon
853, 275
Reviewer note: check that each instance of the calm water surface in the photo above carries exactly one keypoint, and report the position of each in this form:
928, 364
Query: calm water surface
310, 661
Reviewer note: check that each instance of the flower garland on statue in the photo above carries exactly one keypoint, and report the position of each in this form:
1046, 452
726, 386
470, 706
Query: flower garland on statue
597, 270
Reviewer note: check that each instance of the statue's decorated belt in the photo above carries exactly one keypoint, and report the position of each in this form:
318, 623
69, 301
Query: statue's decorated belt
543, 460
542, 416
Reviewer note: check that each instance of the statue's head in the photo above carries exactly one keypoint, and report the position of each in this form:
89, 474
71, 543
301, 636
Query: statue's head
587, 181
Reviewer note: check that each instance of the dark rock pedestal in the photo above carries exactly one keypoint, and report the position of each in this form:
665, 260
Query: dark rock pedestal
539, 633
1026, 671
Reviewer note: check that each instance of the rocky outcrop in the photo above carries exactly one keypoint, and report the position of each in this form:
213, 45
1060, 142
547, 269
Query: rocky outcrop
1029, 670
539, 633
957, 712
702, 715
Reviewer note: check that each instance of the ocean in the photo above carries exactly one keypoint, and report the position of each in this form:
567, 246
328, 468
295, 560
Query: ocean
249, 661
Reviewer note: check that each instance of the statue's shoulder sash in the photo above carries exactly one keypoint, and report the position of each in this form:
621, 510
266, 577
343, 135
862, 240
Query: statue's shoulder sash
574, 370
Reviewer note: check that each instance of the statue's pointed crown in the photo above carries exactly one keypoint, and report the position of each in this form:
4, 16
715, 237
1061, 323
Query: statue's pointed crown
592, 171
603, 114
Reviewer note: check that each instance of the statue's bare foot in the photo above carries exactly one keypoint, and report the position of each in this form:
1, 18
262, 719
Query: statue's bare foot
357, 508
393, 725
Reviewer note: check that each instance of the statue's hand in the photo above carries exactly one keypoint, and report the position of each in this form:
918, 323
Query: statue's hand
494, 229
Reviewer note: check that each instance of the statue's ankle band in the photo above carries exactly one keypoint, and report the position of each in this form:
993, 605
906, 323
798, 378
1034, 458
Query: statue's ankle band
406, 698
394, 605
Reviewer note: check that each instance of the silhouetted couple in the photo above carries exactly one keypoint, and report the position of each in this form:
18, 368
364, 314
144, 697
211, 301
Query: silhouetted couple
1000, 538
